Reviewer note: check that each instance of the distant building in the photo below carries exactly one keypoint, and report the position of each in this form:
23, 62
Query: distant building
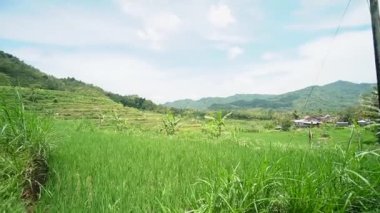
327, 119
341, 124
364, 122
307, 122
278, 127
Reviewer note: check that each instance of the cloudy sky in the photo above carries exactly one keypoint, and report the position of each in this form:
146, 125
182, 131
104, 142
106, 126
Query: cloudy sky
173, 49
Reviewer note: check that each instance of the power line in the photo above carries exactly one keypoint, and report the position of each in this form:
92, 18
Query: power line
328, 50
325, 57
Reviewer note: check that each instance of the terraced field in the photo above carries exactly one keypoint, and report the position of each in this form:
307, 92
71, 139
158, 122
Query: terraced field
78, 105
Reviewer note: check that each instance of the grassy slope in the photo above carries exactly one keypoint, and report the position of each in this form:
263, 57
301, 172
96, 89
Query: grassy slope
144, 171
78, 105
14, 72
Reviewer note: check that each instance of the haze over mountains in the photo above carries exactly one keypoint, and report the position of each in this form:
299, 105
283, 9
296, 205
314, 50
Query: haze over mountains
330, 97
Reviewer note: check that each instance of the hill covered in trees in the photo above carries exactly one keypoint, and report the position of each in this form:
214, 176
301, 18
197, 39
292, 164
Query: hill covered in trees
14, 72
330, 97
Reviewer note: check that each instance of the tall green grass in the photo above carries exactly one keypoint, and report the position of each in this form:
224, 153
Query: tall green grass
107, 171
23, 142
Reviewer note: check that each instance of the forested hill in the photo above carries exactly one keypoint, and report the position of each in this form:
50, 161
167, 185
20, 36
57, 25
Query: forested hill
330, 97
14, 72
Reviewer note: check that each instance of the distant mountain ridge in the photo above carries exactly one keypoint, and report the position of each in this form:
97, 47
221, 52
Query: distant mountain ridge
330, 97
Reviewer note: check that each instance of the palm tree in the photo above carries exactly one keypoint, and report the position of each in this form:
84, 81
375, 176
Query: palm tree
170, 123
218, 121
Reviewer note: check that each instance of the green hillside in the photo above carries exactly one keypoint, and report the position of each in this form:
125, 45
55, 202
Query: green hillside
79, 105
330, 97
14, 72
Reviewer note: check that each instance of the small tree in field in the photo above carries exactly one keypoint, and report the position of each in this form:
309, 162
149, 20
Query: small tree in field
285, 121
170, 123
216, 123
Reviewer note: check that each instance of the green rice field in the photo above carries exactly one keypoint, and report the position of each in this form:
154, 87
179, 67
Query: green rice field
145, 171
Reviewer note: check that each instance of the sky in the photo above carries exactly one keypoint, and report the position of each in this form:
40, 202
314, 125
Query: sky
165, 50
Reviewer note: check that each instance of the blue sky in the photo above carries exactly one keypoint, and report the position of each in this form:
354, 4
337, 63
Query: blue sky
166, 50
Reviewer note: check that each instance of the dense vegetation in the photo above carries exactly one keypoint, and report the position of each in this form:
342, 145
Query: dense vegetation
24, 151
138, 170
136, 102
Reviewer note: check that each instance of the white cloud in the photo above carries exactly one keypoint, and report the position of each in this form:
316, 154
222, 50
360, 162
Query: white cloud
351, 58
65, 26
140, 24
227, 38
270, 56
234, 52
76, 26
220, 16
159, 28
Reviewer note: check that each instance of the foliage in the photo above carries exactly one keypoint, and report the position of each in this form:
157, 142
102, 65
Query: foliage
24, 149
257, 103
325, 131
216, 122
349, 114
253, 114
269, 193
133, 101
370, 110
23, 131
284, 120
170, 124
4, 79
118, 122
370, 105
295, 114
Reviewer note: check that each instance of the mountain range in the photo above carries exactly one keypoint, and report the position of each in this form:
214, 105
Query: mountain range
329, 97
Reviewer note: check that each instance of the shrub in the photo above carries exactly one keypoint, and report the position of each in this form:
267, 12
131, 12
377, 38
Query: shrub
285, 124
284, 121
118, 122
24, 146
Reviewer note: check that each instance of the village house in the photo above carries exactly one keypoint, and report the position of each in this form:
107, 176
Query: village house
308, 121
